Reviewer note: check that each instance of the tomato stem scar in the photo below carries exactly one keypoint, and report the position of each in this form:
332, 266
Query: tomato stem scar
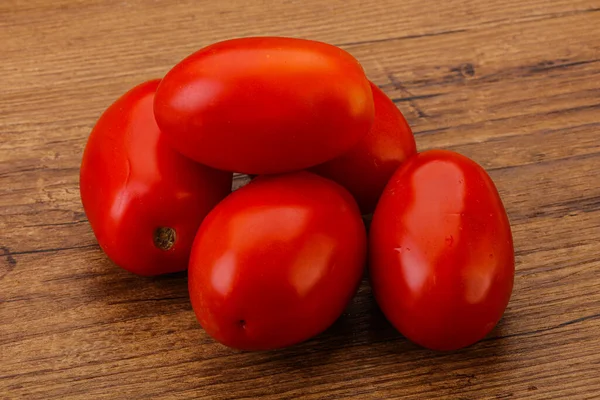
164, 238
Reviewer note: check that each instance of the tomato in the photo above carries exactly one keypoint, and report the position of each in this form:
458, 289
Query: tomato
368, 166
441, 251
265, 105
144, 200
277, 261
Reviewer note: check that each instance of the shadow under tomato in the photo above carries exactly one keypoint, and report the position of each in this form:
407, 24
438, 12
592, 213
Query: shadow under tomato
361, 326
129, 296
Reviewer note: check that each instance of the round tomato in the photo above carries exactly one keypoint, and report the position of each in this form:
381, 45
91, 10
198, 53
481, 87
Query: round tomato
144, 200
265, 105
441, 251
368, 166
277, 261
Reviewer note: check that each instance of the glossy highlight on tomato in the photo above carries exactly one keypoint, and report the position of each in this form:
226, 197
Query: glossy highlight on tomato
265, 105
144, 201
366, 168
277, 261
441, 251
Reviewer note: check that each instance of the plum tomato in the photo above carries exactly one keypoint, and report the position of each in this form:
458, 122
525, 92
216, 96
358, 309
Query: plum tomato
277, 261
144, 200
441, 251
265, 105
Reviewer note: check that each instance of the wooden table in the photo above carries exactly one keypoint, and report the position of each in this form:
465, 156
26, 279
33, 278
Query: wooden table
513, 84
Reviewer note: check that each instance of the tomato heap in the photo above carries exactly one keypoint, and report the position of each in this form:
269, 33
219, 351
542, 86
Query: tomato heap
277, 261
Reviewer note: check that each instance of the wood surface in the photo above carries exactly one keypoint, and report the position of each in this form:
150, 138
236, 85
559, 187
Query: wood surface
514, 84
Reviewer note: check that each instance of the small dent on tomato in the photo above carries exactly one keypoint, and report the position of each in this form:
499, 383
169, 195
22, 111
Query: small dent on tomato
449, 240
164, 238
242, 324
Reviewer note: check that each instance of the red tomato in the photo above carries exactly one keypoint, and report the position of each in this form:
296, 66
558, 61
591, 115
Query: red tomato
441, 251
277, 261
265, 105
144, 200
368, 166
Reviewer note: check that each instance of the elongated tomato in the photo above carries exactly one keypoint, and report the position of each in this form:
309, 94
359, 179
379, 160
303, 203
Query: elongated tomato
265, 105
143, 199
366, 168
277, 261
441, 251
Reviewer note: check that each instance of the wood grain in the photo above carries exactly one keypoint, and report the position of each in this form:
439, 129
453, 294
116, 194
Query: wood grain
513, 84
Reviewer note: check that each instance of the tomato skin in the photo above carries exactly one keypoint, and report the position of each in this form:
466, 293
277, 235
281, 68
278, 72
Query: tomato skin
441, 251
277, 261
132, 183
368, 166
265, 105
